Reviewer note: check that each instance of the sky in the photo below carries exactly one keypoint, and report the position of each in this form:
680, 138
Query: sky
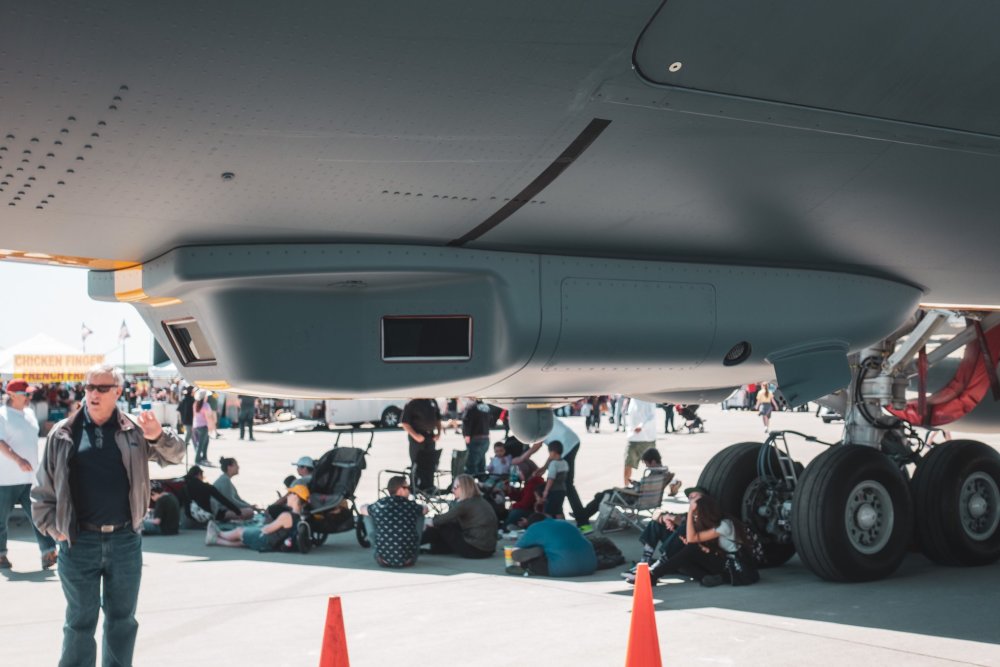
53, 300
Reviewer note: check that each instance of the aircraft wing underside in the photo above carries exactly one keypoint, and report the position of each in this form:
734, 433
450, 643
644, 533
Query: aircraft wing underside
853, 138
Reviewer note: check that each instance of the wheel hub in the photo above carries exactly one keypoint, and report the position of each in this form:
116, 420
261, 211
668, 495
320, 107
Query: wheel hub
979, 506
869, 517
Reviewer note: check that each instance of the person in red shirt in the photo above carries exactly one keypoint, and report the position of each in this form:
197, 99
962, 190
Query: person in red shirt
525, 506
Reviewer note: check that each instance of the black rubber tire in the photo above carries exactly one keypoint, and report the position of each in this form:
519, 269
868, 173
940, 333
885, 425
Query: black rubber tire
937, 489
319, 539
303, 537
819, 528
361, 533
391, 416
727, 476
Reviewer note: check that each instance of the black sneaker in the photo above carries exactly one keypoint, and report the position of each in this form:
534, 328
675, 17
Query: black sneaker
712, 580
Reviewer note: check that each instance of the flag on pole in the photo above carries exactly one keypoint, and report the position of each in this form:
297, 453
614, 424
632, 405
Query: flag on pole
84, 332
123, 332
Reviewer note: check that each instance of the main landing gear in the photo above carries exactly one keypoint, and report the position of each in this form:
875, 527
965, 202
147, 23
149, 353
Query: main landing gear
854, 511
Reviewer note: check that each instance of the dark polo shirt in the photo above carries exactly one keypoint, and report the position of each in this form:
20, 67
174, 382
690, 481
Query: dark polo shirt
98, 480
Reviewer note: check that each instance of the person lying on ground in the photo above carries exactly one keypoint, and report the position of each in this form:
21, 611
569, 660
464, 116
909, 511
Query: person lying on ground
394, 525
468, 529
553, 548
269, 537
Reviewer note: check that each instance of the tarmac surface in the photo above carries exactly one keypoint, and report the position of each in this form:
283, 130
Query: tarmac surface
214, 606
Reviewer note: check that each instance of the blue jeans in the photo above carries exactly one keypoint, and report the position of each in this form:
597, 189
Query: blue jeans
10, 496
475, 463
100, 571
201, 440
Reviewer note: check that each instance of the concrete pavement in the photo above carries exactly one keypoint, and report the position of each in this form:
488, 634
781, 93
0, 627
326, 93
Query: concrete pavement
210, 606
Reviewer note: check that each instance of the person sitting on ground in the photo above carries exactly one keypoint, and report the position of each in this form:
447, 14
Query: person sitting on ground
665, 532
197, 502
468, 529
230, 468
652, 459
553, 548
528, 502
498, 471
394, 524
269, 537
710, 537
165, 517
555, 481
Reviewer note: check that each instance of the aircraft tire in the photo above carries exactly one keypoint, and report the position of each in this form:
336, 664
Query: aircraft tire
729, 473
852, 516
728, 477
956, 492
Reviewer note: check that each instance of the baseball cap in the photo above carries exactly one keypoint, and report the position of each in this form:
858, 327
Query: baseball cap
301, 490
305, 461
19, 385
696, 489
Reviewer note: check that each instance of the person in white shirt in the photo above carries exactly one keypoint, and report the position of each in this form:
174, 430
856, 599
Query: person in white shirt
570, 442
641, 421
18, 463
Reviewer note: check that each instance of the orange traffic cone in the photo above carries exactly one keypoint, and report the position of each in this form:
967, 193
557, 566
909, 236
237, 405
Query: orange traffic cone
334, 652
643, 642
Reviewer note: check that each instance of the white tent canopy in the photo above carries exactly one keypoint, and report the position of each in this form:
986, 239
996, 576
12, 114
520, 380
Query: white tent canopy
161, 374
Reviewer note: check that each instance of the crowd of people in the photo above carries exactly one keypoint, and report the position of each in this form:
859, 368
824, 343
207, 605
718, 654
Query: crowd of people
94, 499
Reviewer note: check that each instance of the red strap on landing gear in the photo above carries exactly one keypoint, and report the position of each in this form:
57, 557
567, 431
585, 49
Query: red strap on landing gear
975, 375
991, 368
922, 387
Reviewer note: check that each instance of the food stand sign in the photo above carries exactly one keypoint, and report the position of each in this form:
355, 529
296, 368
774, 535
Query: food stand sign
54, 367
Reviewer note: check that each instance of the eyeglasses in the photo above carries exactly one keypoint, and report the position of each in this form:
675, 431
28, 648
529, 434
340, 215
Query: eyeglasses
100, 388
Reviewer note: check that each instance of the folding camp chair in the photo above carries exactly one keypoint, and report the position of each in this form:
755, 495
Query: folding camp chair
633, 507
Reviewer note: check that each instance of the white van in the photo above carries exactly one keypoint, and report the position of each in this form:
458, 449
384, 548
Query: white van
378, 411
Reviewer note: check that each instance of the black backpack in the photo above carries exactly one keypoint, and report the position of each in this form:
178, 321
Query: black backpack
742, 566
608, 555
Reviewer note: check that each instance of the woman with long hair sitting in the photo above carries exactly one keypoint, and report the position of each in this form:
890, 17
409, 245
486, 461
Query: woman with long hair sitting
468, 529
709, 539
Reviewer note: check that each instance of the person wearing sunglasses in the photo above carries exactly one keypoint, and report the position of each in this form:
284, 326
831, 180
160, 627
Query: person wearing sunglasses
92, 494
394, 524
18, 462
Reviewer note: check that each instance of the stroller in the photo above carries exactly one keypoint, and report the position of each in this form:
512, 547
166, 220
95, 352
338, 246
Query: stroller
692, 422
332, 507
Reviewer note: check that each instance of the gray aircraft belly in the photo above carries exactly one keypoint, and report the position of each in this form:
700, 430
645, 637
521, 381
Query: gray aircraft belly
718, 134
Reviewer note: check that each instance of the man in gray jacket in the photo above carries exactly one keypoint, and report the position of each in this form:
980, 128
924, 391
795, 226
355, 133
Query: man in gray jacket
91, 496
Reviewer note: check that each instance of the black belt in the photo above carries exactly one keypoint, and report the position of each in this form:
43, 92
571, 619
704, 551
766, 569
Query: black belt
106, 528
